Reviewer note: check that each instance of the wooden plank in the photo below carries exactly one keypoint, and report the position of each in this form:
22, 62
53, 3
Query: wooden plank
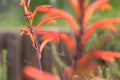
12, 44
28, 53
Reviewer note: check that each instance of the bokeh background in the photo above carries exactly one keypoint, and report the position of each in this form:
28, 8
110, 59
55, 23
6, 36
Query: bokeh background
12, 19
12, 16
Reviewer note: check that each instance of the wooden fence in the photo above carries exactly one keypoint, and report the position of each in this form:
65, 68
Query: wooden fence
21, 52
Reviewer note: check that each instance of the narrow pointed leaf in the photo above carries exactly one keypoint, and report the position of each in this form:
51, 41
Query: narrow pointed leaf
52, 39
65, 38
96, 26
109, 26
42, 8
76, 7
105, 6
36, 74
64, 15
106, 55
43, 22
91, 9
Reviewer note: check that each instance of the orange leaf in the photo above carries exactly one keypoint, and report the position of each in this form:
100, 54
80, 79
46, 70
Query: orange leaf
76, 7
64, 15
106, 55
91, 9
42, 8
36, 74
70, 44
83, 60
87, 62
43, 22
105, 6
109, 26
65, 38
97, 25
52, 39
29, 34
86, 65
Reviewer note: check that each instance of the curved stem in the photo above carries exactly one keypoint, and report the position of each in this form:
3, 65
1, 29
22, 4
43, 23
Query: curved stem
36, 49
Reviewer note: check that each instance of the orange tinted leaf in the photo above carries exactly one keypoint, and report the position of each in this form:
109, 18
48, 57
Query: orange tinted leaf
42, 8
29, 34
106, 55
36, 74
64, 15
52, 39
105, 6
83, 60
91, 9
109, 26
86, 65
97, 25
76, 7
65, 38
43, 22
70, 44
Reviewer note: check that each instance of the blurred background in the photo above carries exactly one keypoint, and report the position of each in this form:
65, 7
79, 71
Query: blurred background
12, 16
20, 50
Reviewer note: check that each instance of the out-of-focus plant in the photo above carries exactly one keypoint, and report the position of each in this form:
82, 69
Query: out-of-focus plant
3, 65
83, 65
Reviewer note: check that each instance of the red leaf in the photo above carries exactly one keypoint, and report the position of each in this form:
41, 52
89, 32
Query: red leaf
65, 38
97, 25
109, 26
86, 65
36, 74
64, 15
43, 22
91, 9
83, 60
106, 55
105, 6
42, 8
52, 39
76, 7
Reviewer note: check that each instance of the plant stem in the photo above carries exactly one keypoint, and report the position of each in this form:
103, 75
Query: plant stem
35, 43
36, 49
81, 30
38, 57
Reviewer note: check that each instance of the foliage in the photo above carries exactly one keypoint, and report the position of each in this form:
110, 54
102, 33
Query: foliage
84, 65
3, 65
